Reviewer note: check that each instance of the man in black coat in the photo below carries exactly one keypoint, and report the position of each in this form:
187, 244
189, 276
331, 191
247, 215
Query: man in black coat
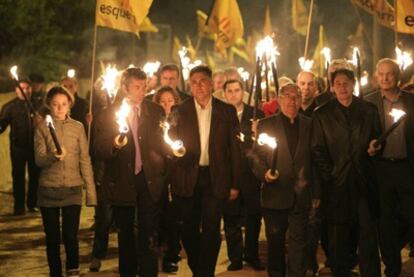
395, 166
342, 131
134, 174
17, 114
248, 202
286, 197
208, 174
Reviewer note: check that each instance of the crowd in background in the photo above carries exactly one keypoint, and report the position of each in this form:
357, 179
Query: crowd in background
331, 184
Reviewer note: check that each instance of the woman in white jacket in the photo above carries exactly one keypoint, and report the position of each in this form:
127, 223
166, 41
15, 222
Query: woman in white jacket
61, 180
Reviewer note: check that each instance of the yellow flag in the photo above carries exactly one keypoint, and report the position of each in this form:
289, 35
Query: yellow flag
299, 17
267, 26
404, 14
380, 8
226, 21
203, 30
123, 15
190, 48
318, 58
147, 26
176, 47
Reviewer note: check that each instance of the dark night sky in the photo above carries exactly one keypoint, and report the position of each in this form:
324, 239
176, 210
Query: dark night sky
339, 18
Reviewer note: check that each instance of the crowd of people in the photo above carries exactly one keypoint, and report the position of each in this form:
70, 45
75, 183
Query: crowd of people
326, 181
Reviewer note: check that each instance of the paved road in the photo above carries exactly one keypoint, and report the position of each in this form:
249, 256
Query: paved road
22, 247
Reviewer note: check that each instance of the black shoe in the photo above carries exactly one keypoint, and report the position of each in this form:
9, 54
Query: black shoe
235, 267
169, 267
95, 265
19, 211
33, 210
254, 263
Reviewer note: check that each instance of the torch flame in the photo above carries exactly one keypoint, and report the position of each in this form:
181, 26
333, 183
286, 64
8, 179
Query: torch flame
305, 64
13, 71
397, 114
175, 144
121, 117
186, 62
267, 47
49, 121
110, 79
356, 89
364, 78
403, 58
243, 74
151, 67
327, 54
266, 139
71, 73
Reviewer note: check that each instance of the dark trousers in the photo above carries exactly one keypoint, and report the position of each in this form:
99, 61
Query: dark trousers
396, 193
312, 239
19, 159
234, 236
341, 242
70, 227
103, 221
276, 224
170, 228
143, 250
203, 210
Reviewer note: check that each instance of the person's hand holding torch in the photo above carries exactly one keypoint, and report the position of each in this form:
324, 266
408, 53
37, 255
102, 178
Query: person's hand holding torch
376, 144
60, 151
272, 174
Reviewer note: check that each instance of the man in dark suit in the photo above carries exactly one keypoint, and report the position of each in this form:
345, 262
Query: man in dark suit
395, 166
286, 197
208, 174
134, 174
342, 131
248, 202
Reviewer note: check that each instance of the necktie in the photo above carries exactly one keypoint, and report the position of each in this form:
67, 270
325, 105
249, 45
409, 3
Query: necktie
135, 134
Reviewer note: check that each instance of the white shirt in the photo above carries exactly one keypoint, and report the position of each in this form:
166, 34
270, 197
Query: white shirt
204, 122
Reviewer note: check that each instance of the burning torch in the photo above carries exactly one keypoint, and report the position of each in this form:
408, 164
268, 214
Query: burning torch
272, 143
121, 118
398, 116
51, 127
110, 80
13, 71
177, 146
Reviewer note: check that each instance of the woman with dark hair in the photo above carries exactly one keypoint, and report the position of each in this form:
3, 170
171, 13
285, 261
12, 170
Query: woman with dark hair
167, 97
61, 180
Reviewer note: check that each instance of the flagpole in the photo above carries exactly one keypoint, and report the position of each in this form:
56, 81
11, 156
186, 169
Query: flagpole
92, 82
308, 29
199, 39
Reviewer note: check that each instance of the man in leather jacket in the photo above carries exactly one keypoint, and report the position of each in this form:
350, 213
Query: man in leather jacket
342, 131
